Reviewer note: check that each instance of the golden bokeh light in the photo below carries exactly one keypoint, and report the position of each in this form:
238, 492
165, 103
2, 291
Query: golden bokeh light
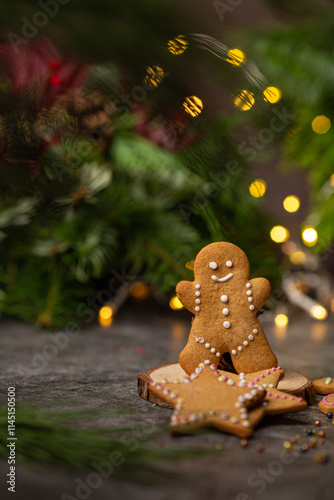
332, 305
321, 124
175, 303
291, 203
178, 45
310, 236
332, 180
193, 106
236, 57
244, 100
139, 290
281, 320
190, 265
298, 258
319, 312
106, 312
272, 94
258, 188
279, 234
155, 75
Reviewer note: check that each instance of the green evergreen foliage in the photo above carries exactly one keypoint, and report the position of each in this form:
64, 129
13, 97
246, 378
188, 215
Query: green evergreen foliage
298, 58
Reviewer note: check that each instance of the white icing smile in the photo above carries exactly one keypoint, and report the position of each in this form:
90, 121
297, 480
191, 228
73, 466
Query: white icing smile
222, 280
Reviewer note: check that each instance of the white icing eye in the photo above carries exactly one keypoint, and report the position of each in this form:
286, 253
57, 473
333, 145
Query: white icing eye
213, 265
229, 263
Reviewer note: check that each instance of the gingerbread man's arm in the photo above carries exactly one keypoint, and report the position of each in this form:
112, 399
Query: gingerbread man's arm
260, 292
185, 290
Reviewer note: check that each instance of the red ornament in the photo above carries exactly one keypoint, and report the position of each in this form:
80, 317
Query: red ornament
55, 80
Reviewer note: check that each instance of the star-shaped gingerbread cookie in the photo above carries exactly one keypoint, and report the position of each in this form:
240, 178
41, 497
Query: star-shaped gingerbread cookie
275, 402
208, 398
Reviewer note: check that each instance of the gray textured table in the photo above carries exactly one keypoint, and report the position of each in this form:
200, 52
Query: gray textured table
98, 368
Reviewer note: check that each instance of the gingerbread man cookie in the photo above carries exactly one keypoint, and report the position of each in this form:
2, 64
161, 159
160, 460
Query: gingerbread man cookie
225, 303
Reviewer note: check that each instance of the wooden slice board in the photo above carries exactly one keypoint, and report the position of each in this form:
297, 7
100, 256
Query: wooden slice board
293, 383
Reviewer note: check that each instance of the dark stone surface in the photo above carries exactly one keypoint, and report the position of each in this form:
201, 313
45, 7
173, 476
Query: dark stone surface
97, 371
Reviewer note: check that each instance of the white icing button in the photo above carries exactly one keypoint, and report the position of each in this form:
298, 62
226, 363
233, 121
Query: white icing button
213, 350
240, 348
197, 308
248, 285
197, 286
226, 311
245, 343
251, 308
207, 345
249, 292
234, 352
213, 265
255, 330
250, 299
218, 354
226, 324
198, 301
224, 298
229, 263
250, 337
198, 294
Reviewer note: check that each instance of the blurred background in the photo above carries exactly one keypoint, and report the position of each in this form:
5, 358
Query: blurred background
134, 133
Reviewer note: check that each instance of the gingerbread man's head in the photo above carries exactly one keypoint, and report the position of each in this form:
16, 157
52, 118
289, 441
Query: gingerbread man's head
221, 263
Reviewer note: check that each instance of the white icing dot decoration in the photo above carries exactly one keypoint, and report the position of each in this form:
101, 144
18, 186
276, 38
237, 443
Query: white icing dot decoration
230, 381
240, 348
218, 354
250, 299
207, 362
224, 298
198, 301
197, 286
251, 308
249, 292
213, 350
229, 263
226, 311
197, 308
255, 330
198, 294
250, 337
234, 352
226, 324
213, 265
245, 343
207, 345
248, 285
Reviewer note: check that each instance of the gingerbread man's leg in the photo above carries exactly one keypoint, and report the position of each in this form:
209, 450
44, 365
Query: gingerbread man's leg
201, 349
256, 355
